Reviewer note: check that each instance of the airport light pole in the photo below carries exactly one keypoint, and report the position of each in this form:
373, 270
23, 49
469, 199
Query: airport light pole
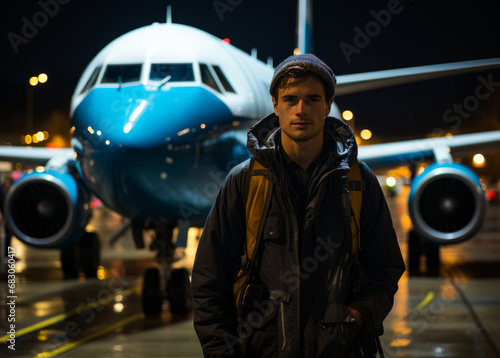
33, 81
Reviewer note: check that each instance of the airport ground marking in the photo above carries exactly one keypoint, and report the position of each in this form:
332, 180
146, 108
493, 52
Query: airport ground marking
61, 317
427, 299
73, 345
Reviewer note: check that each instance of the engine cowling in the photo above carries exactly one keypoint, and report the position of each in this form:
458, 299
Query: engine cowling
447, 203
47, 210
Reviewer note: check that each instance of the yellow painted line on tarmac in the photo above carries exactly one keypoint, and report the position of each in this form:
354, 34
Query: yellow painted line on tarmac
427, 299
61, 317
94, 335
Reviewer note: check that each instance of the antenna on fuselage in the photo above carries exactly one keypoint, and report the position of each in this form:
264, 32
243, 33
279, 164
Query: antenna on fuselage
169, 14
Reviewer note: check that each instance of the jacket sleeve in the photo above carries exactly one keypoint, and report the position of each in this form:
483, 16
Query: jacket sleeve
219, 249
379, 255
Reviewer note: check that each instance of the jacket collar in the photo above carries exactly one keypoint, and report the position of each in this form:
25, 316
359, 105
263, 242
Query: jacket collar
263, 141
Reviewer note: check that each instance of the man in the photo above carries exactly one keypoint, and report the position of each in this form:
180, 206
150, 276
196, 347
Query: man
322, 309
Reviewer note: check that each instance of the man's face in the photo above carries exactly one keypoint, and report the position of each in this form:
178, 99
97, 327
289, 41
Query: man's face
301, 110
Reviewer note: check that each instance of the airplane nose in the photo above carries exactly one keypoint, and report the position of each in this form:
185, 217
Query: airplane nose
136, 148
133, 117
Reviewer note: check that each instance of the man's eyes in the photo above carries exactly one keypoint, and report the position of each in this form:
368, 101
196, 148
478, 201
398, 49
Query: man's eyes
292, 100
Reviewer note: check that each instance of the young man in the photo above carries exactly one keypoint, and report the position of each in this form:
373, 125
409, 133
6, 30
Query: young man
306, 298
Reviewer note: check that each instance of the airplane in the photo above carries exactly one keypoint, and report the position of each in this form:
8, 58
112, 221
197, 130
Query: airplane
158, 119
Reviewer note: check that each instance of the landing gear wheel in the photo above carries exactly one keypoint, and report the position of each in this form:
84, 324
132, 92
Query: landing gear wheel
90, 254
69, 262
179, 293
151, 292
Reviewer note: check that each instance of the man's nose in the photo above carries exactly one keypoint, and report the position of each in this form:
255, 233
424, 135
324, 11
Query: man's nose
302, 107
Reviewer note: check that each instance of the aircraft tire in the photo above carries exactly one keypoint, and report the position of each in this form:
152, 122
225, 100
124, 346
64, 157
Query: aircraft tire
70, 262
90, 250
181, 303
151, 293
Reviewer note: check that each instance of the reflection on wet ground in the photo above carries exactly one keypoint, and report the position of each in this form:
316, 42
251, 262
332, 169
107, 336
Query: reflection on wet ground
456, 314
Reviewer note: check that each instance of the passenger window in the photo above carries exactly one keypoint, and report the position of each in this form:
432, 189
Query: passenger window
122, 73
178, 72
207, 78
225, 83
92, 80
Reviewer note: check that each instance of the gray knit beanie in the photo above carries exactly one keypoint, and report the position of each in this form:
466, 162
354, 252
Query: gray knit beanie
308, 62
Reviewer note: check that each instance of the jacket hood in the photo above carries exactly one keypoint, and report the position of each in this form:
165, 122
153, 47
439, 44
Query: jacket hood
264, 137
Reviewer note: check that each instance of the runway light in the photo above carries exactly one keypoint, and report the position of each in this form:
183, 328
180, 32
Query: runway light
35, 139
203, 126
347, 115
42, 78
366, 134
391, 182
478, 160
45, 135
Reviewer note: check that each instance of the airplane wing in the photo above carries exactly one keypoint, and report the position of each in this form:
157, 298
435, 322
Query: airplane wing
35, 156
347, 84
387, 155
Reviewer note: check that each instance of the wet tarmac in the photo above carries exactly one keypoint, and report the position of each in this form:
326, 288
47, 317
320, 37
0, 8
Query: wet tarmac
456, 314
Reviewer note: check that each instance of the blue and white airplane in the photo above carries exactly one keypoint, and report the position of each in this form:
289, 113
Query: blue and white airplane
158, 119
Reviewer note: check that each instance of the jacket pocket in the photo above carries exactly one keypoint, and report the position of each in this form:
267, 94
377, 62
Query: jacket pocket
261, 330
337, 331
275, 252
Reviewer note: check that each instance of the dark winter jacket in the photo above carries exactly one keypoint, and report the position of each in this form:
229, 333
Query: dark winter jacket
305, 275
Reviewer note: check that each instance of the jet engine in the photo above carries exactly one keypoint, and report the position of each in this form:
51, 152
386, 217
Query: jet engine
47, 210
447, 203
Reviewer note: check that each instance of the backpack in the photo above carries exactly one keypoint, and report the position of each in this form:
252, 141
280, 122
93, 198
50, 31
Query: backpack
259, 187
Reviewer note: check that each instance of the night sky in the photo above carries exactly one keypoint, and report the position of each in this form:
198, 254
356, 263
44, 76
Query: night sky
418, 33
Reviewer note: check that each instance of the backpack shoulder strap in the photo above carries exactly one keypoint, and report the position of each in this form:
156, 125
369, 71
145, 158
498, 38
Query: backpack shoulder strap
353, 185
258, 194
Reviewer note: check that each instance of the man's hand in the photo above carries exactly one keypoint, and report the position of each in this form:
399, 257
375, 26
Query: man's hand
357, 315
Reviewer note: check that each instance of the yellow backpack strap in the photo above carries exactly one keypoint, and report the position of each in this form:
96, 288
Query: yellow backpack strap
258, 195
356, 186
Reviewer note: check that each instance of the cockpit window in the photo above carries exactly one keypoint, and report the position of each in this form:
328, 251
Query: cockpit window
207, 78
92, 80
178, 72
225, 83
122, 73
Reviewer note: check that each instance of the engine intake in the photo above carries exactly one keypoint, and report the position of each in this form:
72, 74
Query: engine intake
447, 203
47, 210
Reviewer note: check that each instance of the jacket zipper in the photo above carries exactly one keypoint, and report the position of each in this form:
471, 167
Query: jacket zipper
283, 325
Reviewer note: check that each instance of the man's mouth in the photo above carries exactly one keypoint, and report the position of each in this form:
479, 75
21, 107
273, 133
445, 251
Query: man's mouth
301, 124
